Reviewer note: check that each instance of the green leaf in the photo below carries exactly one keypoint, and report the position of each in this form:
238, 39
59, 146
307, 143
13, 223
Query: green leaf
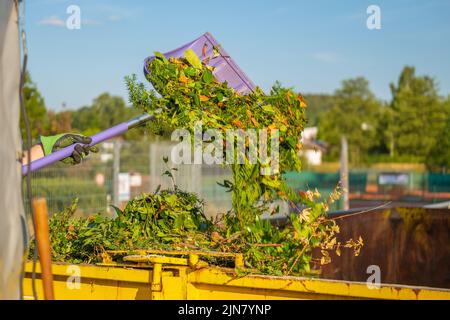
190, 72
268, 108
193, 59
118, 211
208, 77
160, 56
275, 184
197, 100
171, 199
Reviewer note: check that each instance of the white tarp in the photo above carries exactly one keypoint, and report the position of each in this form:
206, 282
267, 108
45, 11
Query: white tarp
12, 221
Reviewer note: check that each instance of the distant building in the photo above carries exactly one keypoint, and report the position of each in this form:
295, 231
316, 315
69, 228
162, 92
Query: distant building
312, 148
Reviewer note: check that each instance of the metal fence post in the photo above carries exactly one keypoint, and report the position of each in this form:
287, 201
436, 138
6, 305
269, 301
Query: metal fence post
344, 173
116, 170
152, 152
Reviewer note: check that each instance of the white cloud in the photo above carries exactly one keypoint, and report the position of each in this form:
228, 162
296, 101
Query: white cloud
327, 57
53, 21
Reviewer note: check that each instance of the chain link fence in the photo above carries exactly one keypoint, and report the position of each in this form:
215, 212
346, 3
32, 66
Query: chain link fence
140, 169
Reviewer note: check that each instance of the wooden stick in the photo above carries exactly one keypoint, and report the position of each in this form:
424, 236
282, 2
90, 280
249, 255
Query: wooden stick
267, 245
43, 244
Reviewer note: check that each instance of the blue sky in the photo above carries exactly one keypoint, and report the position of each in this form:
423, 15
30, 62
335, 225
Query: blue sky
311, 46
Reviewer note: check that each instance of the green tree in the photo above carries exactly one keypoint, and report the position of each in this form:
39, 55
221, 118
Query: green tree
438, 159
36, 110
86, 120
355, 115
318, 104
379, 151
105, 112
59, 122
418, 115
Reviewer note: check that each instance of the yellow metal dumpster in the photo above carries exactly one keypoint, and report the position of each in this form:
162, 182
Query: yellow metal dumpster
153, 276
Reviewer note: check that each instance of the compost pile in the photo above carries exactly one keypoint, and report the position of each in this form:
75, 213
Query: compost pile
187, 92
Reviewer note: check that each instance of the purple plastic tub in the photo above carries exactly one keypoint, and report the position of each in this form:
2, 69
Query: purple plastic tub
225, 68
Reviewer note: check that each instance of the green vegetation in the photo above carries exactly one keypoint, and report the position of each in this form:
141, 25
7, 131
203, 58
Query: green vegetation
410, 128
159, 220
418, 115
438, 159
318, 104
189, 95
37, 112
106, 111
173, 219
355, 114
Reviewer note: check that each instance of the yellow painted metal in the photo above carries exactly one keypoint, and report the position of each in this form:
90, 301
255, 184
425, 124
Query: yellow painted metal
165, 281
156, 259
99, 282
224, 285
238, 257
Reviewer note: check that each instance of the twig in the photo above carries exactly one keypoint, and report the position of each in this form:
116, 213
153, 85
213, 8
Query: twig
364, 211
267, 244
296, 260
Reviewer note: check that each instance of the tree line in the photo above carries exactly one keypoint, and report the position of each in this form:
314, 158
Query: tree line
413, 127
105, 111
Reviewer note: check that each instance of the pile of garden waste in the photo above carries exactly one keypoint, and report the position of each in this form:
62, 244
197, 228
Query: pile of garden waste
186, 92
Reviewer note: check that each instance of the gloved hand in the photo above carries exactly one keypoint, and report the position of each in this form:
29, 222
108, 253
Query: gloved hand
51, 144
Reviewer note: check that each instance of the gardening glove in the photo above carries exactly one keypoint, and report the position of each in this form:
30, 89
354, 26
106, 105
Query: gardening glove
82, 148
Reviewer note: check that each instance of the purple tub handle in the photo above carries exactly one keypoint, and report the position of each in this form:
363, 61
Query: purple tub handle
97, 138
